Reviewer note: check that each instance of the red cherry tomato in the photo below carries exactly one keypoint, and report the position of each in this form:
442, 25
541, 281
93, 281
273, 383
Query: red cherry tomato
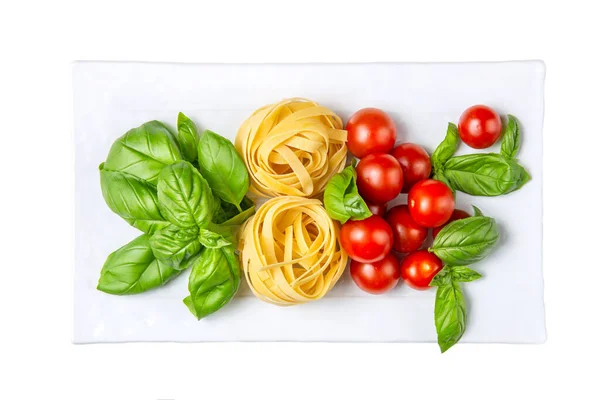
479, 126
379, 178
370, 130
418, 269
377, 209
368, 240
430, 203
377, 277
456, 214
408, 235
415, 164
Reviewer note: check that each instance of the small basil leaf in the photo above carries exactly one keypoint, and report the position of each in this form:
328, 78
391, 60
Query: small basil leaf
132, 199
184, 197
464, 274
143, 152
228, 214
214, 280
485, 174
466, 241
133, 269
477, 211
450, 313
187, 135
174, 245
223, 168
213, 240
446, 149
511, 138
341, 198
441, 277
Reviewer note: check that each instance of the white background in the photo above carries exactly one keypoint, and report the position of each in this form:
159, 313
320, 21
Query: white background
38, 41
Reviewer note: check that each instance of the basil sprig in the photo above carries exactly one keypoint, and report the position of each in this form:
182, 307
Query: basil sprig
341, 198
450, 310
460, 243
190, 217
490, 174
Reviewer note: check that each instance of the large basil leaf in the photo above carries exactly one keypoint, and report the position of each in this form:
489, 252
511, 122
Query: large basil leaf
143, 151
485, 174
228, 214
511, 138
132, 199
184, 197
450, 311
214, 280
341, 197
174, 245
223, 168
187, 135
446, 149
134, 269
466, 241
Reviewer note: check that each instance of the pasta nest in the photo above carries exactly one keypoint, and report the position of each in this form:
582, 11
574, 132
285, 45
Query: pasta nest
292, 148
290, 251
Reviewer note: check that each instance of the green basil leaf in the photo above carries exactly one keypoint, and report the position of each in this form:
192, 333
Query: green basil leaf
188, 137
446, 149
228, 214
464, 274
450, 313
143, 152
214, 280
466, 241
223, 168
511, 138
440, 177
184, 197
477, 211
341, 198
442, 277
174, 245
213, 240
485, 174
133, 269
132, 199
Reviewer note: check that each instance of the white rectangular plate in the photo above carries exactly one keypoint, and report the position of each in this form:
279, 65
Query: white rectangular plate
111, 98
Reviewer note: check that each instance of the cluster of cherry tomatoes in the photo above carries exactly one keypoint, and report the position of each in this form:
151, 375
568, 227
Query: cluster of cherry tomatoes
385, 171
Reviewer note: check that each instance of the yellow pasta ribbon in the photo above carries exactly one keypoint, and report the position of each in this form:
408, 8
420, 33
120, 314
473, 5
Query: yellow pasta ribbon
290, 251
292, 148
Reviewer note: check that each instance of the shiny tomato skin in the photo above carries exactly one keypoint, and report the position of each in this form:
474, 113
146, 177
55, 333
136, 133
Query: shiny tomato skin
408, 235
370, 130
368, 240
418, 269
479, 126
379, 178
415, 163
456, 214
430, 203
376, 277
377, 209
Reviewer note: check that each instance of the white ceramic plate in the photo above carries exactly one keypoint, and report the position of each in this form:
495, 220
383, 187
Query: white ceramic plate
110, 98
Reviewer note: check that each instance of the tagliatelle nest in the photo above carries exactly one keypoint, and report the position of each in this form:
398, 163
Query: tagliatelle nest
292, 148
290, 251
